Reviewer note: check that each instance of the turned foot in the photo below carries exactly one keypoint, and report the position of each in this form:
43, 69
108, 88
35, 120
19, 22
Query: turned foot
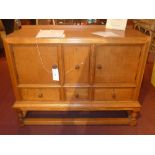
133, 117
21, 116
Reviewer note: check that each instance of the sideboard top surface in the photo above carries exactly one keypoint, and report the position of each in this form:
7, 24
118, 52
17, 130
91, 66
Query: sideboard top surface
76, 34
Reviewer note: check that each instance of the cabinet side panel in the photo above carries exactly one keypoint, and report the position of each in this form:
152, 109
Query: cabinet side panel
11, 65
141, 68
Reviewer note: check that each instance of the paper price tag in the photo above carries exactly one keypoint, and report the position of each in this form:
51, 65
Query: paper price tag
55, 74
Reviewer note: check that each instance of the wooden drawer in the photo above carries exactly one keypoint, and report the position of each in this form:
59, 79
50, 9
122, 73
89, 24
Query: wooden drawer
117, 94
76, 93
40, 94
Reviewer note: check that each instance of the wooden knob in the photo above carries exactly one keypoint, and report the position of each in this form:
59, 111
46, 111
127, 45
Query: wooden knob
99, 66
40, 95
77, 95
114, 95
77, 66
54, 66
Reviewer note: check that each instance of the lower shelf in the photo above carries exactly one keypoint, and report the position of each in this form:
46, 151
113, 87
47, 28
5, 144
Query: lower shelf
130, 107
75, 121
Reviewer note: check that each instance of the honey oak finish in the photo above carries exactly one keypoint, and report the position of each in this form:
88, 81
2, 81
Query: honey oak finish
95, 73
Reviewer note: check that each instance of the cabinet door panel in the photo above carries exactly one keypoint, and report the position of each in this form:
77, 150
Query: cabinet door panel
76, 63
116, 63
34, 65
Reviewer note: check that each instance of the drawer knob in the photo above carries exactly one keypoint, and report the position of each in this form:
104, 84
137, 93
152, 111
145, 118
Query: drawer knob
99, 66
40, 95
77, 95
114, 96
77, 67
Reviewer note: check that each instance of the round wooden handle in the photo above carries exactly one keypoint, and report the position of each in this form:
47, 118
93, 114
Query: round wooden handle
114, 96
40, 95
77, 66
54, 66
77, 95
99, 66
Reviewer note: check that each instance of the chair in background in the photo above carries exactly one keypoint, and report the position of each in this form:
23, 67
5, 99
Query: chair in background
2, 36
147, 26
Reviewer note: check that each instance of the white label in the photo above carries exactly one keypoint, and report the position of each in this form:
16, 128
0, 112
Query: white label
55, 74
118, 24
50, 33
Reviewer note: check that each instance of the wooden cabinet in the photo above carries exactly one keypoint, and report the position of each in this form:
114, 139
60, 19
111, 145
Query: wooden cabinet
95, 73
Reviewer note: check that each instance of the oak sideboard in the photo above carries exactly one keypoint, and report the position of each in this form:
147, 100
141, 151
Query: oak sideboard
92, 73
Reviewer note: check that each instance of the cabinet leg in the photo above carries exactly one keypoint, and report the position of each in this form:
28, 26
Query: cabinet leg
21, 115
24, 113
133, 117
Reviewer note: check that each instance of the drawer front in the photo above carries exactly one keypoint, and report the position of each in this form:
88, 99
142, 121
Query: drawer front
76, 63
76, 94
113, 94
40, 94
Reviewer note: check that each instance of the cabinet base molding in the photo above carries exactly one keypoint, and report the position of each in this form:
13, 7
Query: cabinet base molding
132, 107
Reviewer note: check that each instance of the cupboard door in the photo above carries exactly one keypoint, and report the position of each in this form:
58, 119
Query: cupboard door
76, 63
34, 65
116, 63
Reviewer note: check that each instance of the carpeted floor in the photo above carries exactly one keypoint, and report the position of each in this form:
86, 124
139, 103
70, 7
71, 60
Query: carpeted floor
9, 122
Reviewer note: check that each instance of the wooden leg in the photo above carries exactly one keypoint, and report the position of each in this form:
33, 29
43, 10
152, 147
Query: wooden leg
21, 115
133, 117
24, 113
